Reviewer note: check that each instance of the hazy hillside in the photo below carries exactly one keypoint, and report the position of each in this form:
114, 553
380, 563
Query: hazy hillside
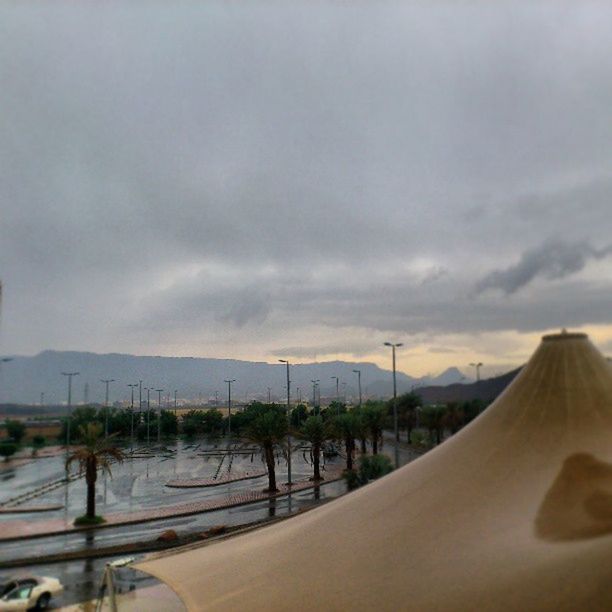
487, 389
24, 378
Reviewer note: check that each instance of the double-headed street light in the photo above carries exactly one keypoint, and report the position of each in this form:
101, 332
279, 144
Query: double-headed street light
69, 375
107, 382
477, 366
132, 387
6, 360
314, 395
286, 362
159, 406
148, 390
358, 372
395, 424
229, 405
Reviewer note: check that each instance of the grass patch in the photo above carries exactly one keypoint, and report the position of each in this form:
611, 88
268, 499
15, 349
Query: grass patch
82, 521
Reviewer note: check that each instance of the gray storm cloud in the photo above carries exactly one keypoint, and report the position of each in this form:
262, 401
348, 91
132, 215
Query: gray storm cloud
553, 260
195, 171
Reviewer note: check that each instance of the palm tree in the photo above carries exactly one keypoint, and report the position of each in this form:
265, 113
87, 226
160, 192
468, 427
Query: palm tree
94, 453
434, 420
454, 419
268, 430
315, 431
347, 428
374, 416
361, 431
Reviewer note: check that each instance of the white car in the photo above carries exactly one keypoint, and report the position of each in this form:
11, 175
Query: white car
28, 593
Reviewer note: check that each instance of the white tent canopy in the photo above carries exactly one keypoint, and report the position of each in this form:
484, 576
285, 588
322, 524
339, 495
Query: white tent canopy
512, 513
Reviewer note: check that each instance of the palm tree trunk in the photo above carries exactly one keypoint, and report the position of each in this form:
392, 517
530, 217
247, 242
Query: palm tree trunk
363, 446
349, 444
316, 451
269, 454
91, 474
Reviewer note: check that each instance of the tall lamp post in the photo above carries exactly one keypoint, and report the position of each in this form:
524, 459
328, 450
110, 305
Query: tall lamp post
314, 395
139, 400
5, 360
69, 375
132, 387
477, 366
107, 382
159, 407
148, 390
358, 372
395, 424
286, 362
337, 390
229, 405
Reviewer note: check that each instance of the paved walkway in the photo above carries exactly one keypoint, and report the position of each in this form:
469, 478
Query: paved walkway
212, 482
26, 529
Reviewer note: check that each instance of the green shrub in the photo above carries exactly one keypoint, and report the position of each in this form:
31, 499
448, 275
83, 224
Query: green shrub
375, 466
7, 450
15, 430
370, 468
83, 521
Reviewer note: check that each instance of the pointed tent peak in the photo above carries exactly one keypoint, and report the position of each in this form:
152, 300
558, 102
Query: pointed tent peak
565, 335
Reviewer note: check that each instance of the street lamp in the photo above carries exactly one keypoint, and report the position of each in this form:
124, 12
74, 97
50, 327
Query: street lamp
159, 392
477, 366
69, 375
358, 372
337, 391
106, 382
148, 390
395, 427
229, 405
314, 395
286, 362
5, 360
132, 387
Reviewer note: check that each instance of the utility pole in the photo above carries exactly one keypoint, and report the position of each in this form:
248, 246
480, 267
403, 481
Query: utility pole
106, 381
286, 361
395, 424
229, 405
358, 372
269, 396
69, 375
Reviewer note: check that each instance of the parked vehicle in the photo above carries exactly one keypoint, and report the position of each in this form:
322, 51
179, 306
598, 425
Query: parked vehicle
28, 593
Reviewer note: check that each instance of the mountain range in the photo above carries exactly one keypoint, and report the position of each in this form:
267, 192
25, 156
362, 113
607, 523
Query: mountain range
23, 379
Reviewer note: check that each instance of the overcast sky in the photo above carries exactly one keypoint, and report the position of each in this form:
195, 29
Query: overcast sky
272, 179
